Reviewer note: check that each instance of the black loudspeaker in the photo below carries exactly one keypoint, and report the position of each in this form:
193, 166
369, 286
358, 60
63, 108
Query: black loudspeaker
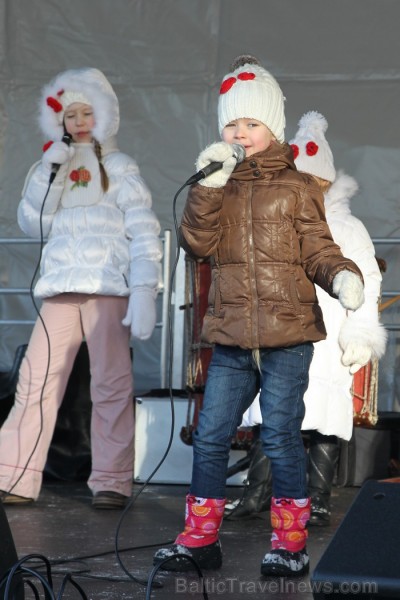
8, 558
363, 557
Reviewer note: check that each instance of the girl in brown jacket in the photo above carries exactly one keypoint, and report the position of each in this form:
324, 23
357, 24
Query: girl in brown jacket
262, 224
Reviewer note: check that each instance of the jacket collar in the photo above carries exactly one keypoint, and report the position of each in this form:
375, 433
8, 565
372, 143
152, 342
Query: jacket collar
275, 158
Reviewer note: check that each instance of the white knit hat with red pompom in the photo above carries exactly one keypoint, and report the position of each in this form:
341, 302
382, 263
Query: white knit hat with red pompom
88, 86
251, 92
311, 151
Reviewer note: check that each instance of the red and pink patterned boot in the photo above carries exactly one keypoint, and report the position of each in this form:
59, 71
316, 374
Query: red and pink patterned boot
199, 540
288, 556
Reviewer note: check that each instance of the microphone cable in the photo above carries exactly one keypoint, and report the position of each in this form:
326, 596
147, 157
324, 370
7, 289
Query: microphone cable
31, 293
150, 581
239, 153
67, 138
145, 582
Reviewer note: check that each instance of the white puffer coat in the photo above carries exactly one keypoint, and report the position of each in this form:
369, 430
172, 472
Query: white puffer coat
328, 400
110, 246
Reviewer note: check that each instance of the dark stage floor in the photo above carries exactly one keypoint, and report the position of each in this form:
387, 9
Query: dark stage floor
63, 527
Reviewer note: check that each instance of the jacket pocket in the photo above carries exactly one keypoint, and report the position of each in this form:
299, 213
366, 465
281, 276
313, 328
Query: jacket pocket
215, 294
293, 294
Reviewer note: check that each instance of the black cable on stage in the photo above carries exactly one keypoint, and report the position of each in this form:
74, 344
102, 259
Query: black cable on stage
20, 570
165, 561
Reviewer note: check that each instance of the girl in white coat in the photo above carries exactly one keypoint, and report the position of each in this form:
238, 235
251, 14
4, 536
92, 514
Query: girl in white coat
99, 277
353, 338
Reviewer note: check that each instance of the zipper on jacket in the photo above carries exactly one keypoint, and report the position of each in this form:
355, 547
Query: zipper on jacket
252, 273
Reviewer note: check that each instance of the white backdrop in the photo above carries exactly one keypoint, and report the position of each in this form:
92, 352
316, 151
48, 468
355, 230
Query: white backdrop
165, 59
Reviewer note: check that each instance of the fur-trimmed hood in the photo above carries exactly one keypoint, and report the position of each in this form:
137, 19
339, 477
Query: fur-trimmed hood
90, 83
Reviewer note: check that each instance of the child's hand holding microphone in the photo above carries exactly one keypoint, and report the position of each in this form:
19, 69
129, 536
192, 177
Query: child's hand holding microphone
56, 155
227, 155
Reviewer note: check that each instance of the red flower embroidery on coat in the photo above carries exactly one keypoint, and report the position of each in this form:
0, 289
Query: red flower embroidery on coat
80, 177
311, 148
295, 150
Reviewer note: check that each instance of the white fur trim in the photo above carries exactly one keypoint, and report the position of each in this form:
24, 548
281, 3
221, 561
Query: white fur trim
371, 334
93, 86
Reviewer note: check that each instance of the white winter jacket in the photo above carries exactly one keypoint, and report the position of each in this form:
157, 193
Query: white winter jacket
90, 248
104, 243
328, 400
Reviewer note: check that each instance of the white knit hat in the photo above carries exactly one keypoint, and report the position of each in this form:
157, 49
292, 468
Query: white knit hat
311, 151
88, 86
251, 92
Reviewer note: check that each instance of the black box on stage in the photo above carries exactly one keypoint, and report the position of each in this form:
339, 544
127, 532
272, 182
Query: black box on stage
363, 557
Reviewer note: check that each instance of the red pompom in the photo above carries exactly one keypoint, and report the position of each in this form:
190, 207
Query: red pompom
54, 104
227, 84
246, 76
311, 148
295, 150
47, 145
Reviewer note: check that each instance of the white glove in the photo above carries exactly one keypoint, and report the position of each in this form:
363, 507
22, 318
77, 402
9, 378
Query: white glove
356, 356
217, 152
141, 313
349, 288
58, 153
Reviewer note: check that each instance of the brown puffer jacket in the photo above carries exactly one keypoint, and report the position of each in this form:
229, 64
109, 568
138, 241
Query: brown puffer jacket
268, 242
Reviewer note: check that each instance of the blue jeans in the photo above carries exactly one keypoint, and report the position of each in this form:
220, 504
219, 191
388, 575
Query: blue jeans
233, 381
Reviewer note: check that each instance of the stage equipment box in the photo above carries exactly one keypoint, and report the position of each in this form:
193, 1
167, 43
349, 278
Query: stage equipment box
362, 559
153, 419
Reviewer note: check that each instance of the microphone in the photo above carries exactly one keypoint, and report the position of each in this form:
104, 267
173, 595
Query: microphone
238, 152
66, 138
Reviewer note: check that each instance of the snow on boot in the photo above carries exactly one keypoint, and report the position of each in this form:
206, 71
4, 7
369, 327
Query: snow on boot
199, 540
288, 557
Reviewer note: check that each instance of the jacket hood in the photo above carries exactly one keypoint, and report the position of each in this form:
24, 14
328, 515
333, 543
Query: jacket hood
93, 85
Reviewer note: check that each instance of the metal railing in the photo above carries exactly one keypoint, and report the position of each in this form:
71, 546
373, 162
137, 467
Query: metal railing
389, 293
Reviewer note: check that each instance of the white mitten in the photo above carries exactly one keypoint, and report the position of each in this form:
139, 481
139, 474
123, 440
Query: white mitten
58, 153
217, 152
141, 313
356, 355
349, 288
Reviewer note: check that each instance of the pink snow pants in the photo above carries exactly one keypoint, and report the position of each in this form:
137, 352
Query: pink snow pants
26, 435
